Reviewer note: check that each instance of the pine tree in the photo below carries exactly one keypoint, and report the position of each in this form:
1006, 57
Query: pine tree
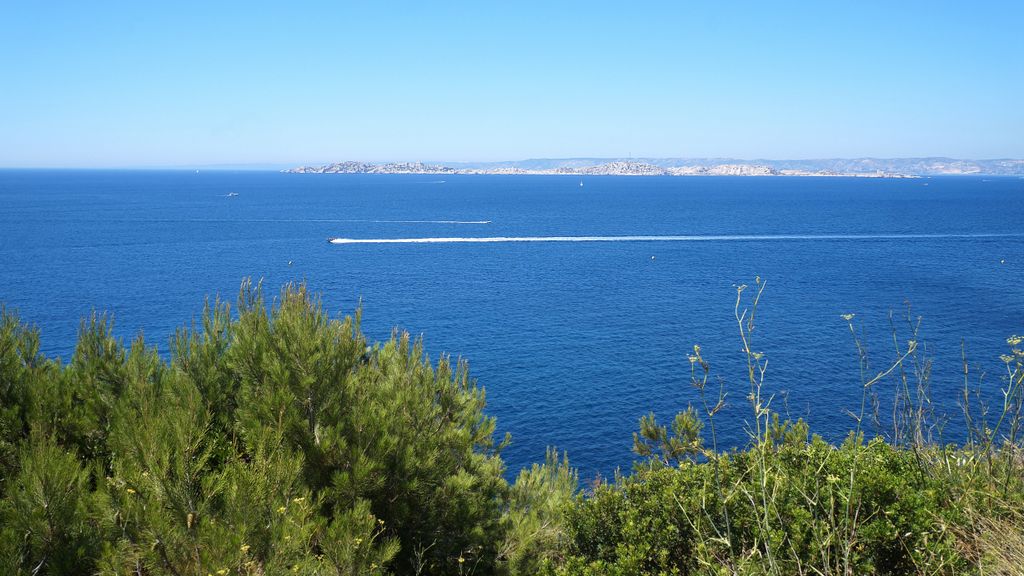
275, 440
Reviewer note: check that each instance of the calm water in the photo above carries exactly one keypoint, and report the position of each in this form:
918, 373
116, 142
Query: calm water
573, 341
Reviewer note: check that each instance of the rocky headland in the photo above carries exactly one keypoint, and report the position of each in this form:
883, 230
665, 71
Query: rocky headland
858, 167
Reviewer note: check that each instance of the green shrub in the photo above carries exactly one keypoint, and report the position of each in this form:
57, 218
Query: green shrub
534, 531
275, 440
278, 440
860, 509
792, 504
49, 514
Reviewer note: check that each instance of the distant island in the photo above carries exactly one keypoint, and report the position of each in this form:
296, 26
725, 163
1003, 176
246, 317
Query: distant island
857, 167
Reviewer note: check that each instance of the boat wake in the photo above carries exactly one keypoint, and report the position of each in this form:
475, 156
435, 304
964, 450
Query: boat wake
709, 238
304, 220
422, 221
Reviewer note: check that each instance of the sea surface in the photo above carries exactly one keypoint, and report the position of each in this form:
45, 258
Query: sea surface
573, 340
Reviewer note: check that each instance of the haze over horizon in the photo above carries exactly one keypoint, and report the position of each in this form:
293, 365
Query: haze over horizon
137, 85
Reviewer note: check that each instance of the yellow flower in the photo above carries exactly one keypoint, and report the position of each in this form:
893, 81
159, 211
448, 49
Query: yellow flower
461, 559
130, 491
280, 510
244, 548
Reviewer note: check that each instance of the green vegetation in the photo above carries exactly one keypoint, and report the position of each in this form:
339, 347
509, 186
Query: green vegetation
279, 441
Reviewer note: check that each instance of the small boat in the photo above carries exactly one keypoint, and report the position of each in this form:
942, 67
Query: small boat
581, 183
232, 194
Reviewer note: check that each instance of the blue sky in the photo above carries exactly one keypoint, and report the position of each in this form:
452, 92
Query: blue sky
122, 84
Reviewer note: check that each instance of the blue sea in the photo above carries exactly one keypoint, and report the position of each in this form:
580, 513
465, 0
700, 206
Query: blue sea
573, 340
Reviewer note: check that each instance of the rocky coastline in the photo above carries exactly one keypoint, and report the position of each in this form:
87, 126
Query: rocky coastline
614, 168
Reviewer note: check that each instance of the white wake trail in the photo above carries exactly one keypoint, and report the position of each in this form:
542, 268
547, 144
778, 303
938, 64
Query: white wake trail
347, 220
424, 221
304, 220
709, 238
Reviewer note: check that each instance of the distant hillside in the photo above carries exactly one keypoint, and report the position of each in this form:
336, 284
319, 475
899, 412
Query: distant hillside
864, 167
934, 166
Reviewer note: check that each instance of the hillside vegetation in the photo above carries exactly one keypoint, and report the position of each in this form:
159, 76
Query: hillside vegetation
277, 440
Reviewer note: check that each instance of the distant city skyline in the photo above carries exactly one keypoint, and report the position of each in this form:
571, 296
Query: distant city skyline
123, 84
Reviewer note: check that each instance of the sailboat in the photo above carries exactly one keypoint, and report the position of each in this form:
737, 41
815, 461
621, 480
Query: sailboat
581, 183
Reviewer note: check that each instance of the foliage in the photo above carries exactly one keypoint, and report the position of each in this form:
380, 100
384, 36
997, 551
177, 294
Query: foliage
274, 440
535, 522
671, 520
790, 503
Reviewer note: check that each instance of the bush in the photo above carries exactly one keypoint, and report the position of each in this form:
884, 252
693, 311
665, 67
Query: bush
276, 441
793, 504
859, 508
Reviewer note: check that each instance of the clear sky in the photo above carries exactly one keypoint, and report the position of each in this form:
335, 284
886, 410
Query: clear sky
121, 84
